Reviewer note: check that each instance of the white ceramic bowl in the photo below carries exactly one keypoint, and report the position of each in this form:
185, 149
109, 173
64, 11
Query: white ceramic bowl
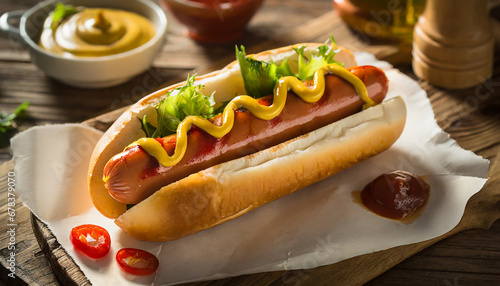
88, 72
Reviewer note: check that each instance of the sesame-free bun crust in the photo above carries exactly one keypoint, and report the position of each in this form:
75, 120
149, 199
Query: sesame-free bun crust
227, 83
226, 191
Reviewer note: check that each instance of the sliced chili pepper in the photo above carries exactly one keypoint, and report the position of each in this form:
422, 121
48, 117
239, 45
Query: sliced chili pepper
94, 241
137, 261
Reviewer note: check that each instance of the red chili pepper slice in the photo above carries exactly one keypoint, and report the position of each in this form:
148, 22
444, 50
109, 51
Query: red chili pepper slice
137, 261
94, 241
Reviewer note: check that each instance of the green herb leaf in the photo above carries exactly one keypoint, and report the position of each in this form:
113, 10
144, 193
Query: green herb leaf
177, 105
7, 120
7, 124
60, 13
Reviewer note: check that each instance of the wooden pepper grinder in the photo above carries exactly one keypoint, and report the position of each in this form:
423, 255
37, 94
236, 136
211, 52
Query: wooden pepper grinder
453, 43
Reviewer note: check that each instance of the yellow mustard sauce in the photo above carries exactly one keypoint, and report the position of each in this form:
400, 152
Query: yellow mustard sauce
308, 94
95, 32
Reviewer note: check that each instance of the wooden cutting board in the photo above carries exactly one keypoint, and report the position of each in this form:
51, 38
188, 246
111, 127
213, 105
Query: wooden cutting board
478, 130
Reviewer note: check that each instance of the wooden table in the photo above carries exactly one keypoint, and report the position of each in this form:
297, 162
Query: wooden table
466, 257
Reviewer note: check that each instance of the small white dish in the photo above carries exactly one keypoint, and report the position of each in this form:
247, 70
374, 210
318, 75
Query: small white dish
87, 72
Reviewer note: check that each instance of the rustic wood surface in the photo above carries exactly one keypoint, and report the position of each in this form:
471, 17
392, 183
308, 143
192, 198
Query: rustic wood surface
469, 255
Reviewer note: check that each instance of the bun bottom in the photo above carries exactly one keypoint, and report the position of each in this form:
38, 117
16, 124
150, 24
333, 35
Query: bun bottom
228, 190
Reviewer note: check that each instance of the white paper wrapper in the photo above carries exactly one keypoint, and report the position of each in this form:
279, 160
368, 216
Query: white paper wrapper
315, 226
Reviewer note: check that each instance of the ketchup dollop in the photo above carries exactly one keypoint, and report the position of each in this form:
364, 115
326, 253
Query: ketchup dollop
396, 195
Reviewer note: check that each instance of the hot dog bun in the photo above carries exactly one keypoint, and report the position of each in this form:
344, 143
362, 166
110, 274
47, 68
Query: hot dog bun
126, 129
230, 189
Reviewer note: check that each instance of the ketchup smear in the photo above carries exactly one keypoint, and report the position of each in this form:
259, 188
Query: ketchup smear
396, 195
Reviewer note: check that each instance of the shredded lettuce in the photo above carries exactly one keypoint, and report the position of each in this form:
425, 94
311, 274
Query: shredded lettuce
178, 104
260, 77
307, 67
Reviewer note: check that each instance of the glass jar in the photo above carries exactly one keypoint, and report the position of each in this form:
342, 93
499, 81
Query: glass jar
382, 21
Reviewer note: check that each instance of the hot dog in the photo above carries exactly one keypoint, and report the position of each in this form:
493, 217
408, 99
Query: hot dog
218, 179
133, 175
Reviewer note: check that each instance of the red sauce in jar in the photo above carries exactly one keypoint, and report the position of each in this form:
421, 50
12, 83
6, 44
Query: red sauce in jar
214, 21
396, 195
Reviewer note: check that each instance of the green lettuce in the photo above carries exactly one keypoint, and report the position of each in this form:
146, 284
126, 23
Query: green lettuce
178, 104
260, 77
307, 67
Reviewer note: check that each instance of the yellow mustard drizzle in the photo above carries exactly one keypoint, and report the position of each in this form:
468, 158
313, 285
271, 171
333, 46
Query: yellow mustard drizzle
311, 95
